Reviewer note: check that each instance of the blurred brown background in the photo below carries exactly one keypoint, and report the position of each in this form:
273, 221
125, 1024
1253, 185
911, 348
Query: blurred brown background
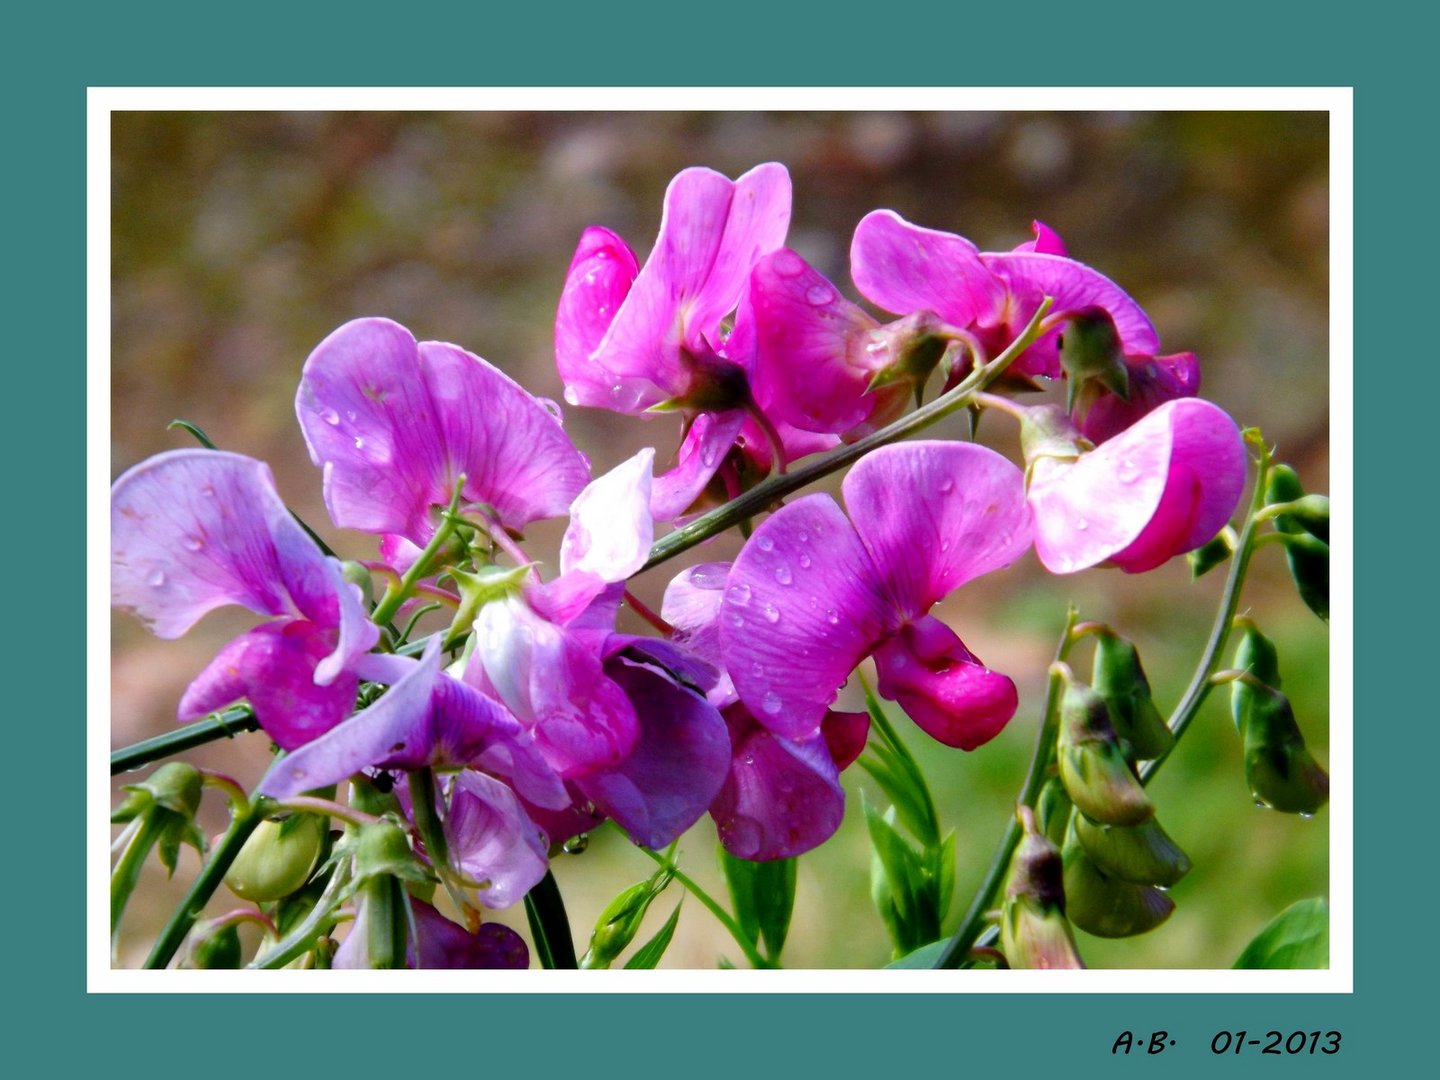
240, 240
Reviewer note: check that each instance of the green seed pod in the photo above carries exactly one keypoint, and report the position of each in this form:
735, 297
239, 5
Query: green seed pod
277, 859
1141, 854
1121, 681
1092, 766
1257, 656
1283, 486
1280, 770
1106, 906
1309, 561
218, 952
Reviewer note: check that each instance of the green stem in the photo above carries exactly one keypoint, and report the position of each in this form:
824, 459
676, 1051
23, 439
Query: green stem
242, 824
127, 869
432, 832
396, 594
765, 494
221, 725
320, 920
746, 945
958, 950
549, 925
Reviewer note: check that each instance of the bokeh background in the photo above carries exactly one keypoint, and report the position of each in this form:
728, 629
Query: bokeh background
241, 239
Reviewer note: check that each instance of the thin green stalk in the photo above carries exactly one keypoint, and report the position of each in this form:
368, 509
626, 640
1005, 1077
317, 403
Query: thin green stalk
746, 945
397, 593
221, 725
242, 824
549, 925
765, 494
320, 920
964, 939
127, 869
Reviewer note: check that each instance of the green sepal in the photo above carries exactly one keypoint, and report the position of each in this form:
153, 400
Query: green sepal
1299, 937
763, 894
484, 586
382, 849
1143, 854
1092, 764
898, 884
1052, 810
1282, 773
356, 574
219, 951
174, 786
1309, 561
178, 831
649, 954
278, 858
1282, 485
895, 780
1090, 352
1119, 678
1208, 556
1106, 906
618, 924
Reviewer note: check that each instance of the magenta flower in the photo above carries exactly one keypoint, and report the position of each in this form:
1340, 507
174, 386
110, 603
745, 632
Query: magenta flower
813, 593
1153, 380
194, 530
1164, 486
394, 423
904, 268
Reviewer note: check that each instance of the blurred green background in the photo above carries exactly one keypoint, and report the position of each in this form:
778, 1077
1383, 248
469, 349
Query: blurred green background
241, 239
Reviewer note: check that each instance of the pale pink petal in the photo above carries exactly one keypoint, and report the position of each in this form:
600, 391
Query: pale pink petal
493, 841
611, 529
903, 268
934, 515
692, 606
801, 609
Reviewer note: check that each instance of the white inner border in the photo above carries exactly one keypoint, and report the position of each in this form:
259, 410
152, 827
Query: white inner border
1337, 101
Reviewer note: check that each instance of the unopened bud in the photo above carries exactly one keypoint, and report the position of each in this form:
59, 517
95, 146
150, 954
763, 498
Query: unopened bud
1034, 932
277, 859
175, 786
1090, 351
1045, 431
1281, 771
1121, 681
1092, 766
1208, 556
1107, 906
620, 921
356, 574
1309, 561
910, 348
219, 951
1143, 854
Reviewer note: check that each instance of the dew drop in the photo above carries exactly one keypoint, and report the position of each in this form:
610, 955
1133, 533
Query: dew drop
770, 702
1162, 888
832, 617
707, 577
571, 396
738, 594
1127, 471
736, 619
805, 562
156, 579
803, 536
947, 484
1306, 817
749, 759
771, 613
330, 416
359, 444
783, 576
616, 390
764, 543
1081, 524
819, 295
194, 543
350, 415
576, 844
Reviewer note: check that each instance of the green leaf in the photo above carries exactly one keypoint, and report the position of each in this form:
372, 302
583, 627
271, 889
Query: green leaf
1299, 937
649, 954
763, 894
894, 781
922, 958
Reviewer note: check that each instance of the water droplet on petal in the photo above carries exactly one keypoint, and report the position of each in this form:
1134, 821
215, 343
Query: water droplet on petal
758, 668
359, 444
736, 619
805, 561
947, 484
803, 536
749, 759
771, 613
819, 294
571, 396
764, 543
330, 416
783, 576
832, 617
156, 579
1127, 471
1081, 524
738, 593
770, 702
350, 415
194, 543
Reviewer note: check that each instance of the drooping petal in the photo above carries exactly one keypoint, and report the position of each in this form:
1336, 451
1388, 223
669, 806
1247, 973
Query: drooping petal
442, 944
1153, 380
1162, 487
692, 606
1047, 241
597, 283
701, 453
934, 515
519, 761
780, 797
903, 268
943, 687
194, 530
394, 424
611, 529
680, 663
801, 609
676, 768
273, 666
492, 840
845, 734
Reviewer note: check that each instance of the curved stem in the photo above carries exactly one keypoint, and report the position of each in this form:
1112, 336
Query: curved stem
746, 945
221, 725
768, 492
961, 943
320, 920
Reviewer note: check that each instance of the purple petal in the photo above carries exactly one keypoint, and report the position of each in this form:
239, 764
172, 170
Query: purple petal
1047, 241
274, 667
903, 268
597, 283
492, 840
194, 530
683, 665
706, 444
780, 798
934, 515
1075, 287
1154, 380
943, 687
692, 606
611, 529
801, 609
442, 944
394, 424
676, 768
845, 734
519, 761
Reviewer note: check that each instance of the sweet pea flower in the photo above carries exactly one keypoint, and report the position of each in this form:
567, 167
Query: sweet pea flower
439, 944
194, 530
780, 797
904, 268
1162, 487
394, 423
1152, 381
813, 593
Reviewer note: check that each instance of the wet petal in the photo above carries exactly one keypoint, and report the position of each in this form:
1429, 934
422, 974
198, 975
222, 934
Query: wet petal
676, 768
801, 609
706, 444
1153, 380
780, 797
493, 840
1075, 287
611, 529
597, 283
692, 606
943, 687
934, 515
442, 944
903, 268
273, 666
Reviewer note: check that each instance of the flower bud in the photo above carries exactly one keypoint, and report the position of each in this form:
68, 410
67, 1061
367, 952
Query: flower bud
1092, 767
175, 786
1045, 431
1106, 906
910, 348
1208, 556
620, 921
1090, 352
383, 848
1143, 854
1281, 772
277, 859
1033, 930
1309, 561
1121, 681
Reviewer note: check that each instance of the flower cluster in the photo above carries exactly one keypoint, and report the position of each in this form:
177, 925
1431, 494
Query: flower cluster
545, 721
